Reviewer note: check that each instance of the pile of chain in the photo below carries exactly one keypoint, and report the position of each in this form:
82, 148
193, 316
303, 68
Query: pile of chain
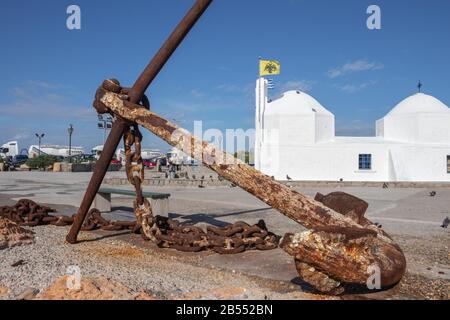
28, 213
234, 238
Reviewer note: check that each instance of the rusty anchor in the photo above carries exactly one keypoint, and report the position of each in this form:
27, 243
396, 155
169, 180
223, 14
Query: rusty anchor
341, 245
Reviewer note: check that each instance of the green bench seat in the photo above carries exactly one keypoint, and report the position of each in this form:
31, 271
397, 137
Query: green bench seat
159, 201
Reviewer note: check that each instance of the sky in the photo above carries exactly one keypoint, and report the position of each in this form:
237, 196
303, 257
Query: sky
49, 74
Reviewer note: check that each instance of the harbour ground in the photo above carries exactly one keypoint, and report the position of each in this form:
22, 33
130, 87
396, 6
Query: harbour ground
410, 215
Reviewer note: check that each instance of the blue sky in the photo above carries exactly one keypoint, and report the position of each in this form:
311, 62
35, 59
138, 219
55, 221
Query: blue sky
49, 74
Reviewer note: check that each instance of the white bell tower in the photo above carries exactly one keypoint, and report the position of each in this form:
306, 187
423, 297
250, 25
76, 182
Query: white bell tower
261, 103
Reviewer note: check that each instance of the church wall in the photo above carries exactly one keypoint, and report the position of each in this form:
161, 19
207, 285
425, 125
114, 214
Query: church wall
324, 128
402, 128
296, 129
434, 128
421, 163
327, 163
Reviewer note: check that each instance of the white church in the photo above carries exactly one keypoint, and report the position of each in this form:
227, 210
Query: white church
295, 139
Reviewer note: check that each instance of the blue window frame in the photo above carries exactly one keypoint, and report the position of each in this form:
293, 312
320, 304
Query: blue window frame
365, 162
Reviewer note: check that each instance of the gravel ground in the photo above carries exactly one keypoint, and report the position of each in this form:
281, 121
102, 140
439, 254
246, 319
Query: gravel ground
167, 274
163, 276
409, 215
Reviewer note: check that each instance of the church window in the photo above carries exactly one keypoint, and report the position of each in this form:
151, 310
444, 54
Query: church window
448, 164
365, 162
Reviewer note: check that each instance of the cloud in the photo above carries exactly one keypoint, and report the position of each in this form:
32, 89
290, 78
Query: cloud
355, 66
234, 88
302, 85
41, 100
196, 93
352, 88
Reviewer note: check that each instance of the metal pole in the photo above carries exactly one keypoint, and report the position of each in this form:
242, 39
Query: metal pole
136, 93
70, 142
104, 133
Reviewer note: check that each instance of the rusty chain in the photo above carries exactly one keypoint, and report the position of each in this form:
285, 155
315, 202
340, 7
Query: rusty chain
28, 213
234, 238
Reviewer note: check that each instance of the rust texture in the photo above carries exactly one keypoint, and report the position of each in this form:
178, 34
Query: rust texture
338, 246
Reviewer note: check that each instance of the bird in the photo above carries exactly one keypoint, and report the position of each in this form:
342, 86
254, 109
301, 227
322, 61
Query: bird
272, 177
233, 185
432, 193
445, 223
378, 225
289, 178
385, 186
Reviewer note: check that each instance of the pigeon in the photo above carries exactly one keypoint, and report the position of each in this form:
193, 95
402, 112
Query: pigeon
233, 185
385, 186
378, 225
289, 178
445, 223
272, 177
432, 193
201, 186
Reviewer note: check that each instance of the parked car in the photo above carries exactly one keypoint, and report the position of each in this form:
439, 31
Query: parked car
16, 161
115, 161
149, 163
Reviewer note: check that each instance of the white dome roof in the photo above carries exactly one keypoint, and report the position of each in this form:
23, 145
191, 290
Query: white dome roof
419, 103
296, 102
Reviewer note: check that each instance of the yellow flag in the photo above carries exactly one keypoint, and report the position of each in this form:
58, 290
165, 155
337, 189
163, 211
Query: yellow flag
268, 67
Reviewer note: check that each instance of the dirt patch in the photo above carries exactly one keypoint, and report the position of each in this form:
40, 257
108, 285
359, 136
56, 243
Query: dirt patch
424, 288
3, 291
12, 234
125, 251
223, 293
98, 288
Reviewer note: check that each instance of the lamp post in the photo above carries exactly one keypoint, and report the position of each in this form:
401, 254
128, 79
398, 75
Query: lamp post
39, 136
70, 130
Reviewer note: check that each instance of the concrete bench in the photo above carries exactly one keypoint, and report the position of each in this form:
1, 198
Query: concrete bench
158, 201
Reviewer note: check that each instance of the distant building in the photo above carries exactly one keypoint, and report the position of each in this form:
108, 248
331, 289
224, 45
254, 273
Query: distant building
295, 137
54, 150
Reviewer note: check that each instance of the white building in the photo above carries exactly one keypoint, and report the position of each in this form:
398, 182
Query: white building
54, 150
295, 137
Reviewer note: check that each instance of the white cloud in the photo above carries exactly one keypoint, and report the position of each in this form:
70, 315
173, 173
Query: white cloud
355, 66
40, 101
302, 85
234, 88
352, 88
196, 93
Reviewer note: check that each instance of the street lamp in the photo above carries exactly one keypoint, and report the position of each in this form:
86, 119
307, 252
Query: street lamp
70, 130
39, 136
105, 124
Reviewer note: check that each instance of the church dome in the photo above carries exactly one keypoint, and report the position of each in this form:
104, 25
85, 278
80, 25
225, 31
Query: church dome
419, 103
296, 102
